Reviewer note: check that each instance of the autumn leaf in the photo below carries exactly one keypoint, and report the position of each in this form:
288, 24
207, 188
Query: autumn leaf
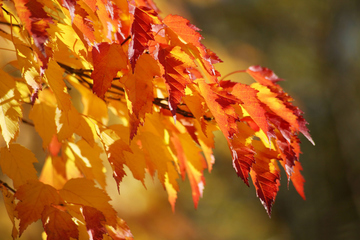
112, 80
44, 115
34, 196
108, 59
82, 191
58, 224
9, 200
10, 109
140, 90
141, 32
177, 65
17, 162
189, 34
36, 22
94, 222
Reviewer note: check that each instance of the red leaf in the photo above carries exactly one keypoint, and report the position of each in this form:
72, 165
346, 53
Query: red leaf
94, 222
251, 103
176, 64
141, 32
263, 75
58, 224
108, 60
265, 175
242, 154
220, 107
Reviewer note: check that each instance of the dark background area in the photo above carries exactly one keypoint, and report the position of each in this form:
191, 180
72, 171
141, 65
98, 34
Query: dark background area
315, 46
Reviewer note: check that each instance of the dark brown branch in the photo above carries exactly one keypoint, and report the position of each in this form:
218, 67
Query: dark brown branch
7, 186
27, 122
10, 24
82, 76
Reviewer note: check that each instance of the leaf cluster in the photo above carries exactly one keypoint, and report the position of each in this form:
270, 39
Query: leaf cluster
159, 80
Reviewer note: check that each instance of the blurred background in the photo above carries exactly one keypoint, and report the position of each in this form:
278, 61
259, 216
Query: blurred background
315, 46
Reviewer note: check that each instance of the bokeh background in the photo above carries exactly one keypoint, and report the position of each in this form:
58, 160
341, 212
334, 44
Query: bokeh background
315, 46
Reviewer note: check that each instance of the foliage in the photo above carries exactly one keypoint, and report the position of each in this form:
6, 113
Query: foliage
154, 74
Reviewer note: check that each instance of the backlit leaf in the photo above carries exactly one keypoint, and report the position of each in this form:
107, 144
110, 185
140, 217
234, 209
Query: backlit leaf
58, 224
17, 162
82, 191
34, 196
108, 60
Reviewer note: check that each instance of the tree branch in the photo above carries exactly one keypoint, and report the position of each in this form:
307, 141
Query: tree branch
83, 74
7, 186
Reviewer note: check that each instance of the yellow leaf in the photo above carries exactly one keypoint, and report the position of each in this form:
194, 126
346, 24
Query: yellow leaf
82, 191
94, 106
17, 162
34, 196
43, 117
86, 130
67, 122
54, 77
10, 109
88, 160
49, 174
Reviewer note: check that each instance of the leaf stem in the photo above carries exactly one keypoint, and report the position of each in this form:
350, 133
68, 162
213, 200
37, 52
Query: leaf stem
7, 186
239, 71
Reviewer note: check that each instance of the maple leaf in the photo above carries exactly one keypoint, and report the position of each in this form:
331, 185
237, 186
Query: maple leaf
58, 224
44, 115
34, 196
94, 222
265, 175
189, 34
82, 191
176, 64
121, 232
17, 162
108, 60
36, 22
164, 71
140, 90
141, 32
250, 102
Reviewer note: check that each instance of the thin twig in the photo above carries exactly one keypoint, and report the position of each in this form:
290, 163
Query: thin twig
82, 76
7, 186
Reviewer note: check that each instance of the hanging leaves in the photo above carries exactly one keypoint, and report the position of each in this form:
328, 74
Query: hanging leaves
161, 84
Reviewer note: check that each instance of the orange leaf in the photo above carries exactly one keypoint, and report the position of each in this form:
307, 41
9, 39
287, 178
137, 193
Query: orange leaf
43, 117
188, 33
121, 232
140, 90
17, 162
108, 59
58, 224
117, 159
34, 196
82, 191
